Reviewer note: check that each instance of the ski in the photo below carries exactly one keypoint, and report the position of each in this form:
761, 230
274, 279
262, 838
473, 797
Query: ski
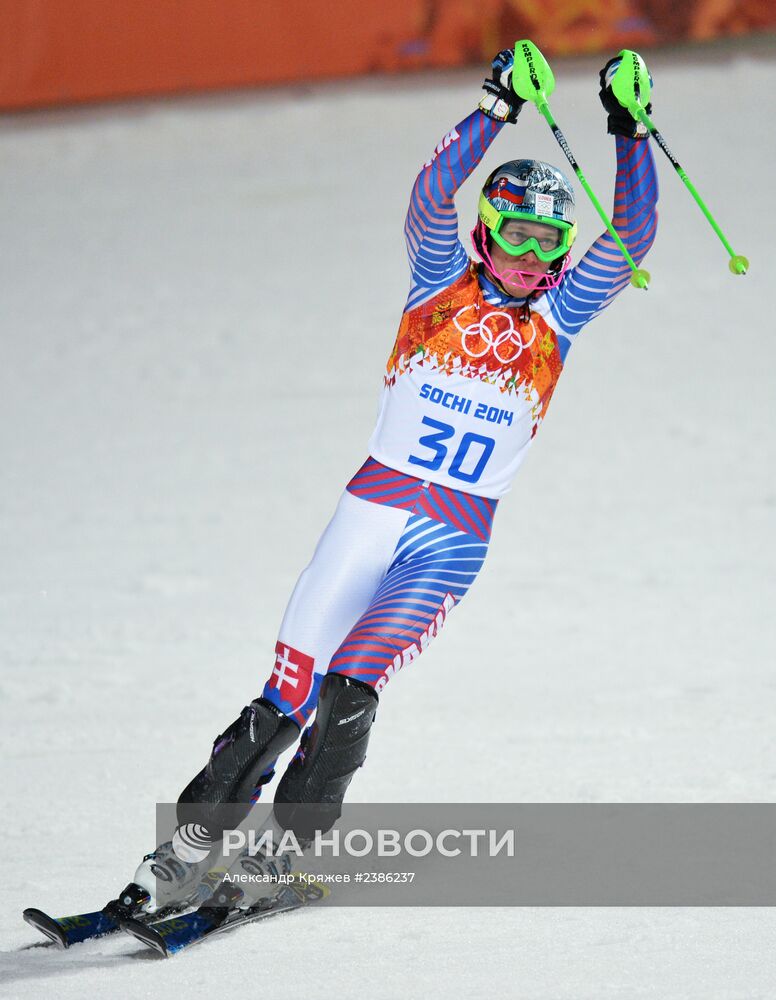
79, 927
171, 936
64, 931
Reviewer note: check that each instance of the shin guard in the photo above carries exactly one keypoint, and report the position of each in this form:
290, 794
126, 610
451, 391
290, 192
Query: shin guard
310, 793
221, 795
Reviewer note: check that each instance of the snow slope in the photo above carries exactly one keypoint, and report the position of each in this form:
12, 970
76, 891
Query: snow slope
198, 299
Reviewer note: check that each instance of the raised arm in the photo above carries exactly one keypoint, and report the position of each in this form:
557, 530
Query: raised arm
603, 272
437, 256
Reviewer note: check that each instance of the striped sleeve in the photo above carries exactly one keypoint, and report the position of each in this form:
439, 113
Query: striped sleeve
603, 272
437, 256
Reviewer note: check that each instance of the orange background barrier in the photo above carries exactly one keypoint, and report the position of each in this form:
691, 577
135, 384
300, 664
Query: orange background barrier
60, 51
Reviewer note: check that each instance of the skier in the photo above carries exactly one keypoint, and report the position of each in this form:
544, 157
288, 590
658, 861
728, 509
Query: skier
480, 348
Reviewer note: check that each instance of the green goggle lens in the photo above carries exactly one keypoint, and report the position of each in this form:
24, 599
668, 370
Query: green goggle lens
495, 221
565, 234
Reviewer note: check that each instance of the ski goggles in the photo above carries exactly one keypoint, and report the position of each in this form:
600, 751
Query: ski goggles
552, 242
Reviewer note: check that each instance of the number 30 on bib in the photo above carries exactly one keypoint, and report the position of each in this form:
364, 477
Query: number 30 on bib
469, 458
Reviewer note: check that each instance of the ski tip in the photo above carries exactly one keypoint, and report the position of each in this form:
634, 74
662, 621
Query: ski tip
145, 934
46, 925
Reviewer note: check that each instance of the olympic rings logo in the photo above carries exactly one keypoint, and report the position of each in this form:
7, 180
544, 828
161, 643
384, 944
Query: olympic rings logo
492, 338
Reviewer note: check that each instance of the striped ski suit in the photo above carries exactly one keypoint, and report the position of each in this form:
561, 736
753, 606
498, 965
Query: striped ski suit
462, 399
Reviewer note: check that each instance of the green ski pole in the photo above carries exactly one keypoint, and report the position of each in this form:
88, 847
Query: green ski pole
532, 80
631, 86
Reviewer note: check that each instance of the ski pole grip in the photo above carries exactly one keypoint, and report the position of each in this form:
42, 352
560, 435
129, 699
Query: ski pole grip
631, 84
532, 78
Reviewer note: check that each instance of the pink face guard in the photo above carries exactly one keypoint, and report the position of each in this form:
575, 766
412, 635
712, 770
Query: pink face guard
528, 279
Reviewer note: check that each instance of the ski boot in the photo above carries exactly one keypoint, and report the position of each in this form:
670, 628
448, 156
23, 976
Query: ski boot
254, 880
168, 880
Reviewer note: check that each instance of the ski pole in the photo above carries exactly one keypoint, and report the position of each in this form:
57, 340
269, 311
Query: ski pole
631, 86
532, 79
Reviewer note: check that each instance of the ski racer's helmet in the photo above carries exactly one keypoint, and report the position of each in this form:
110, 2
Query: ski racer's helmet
532, 191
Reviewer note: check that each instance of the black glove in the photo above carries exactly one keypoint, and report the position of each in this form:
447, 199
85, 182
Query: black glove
620, 120
500, 102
